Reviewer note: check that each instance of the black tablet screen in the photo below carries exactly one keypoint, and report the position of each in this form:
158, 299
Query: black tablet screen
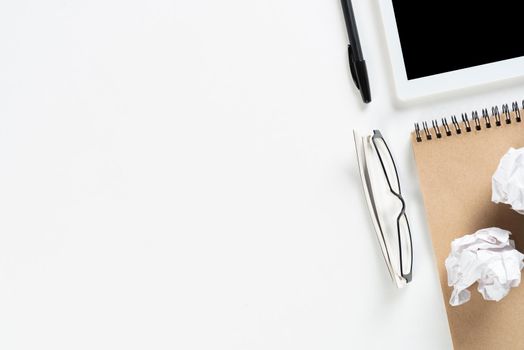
442, 36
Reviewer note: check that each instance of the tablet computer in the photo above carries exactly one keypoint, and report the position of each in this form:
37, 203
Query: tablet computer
440, 46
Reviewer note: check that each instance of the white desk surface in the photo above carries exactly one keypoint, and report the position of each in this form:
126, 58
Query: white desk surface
181, 175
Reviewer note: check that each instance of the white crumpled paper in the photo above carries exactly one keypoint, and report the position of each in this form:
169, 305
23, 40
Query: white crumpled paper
507, 184
488, 257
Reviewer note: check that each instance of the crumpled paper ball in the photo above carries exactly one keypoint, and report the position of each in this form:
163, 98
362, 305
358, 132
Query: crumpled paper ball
507, 184
488, 257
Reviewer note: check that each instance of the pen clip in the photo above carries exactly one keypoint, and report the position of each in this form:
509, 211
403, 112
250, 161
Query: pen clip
352, 67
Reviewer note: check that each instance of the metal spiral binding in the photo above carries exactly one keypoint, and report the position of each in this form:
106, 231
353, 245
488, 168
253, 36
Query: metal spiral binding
466, 121
485, 115
496, 114
456, 124
427, 132
446, 126
417, 132
436, 128
516, 110
475, 117
505, 111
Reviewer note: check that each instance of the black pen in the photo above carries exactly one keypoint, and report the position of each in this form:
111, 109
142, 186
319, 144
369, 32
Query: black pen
357, 64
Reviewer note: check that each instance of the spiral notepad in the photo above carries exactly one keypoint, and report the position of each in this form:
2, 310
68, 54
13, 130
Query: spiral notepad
455, 160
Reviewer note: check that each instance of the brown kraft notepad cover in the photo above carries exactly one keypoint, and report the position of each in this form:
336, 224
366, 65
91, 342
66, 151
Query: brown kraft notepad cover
455, 178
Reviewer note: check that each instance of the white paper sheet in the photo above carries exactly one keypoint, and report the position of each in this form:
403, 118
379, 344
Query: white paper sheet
508, 180
488, 257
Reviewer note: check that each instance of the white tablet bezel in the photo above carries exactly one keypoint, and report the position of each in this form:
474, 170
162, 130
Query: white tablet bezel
444, 82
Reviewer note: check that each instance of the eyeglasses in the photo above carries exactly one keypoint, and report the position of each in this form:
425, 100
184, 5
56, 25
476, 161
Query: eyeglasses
386, 205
